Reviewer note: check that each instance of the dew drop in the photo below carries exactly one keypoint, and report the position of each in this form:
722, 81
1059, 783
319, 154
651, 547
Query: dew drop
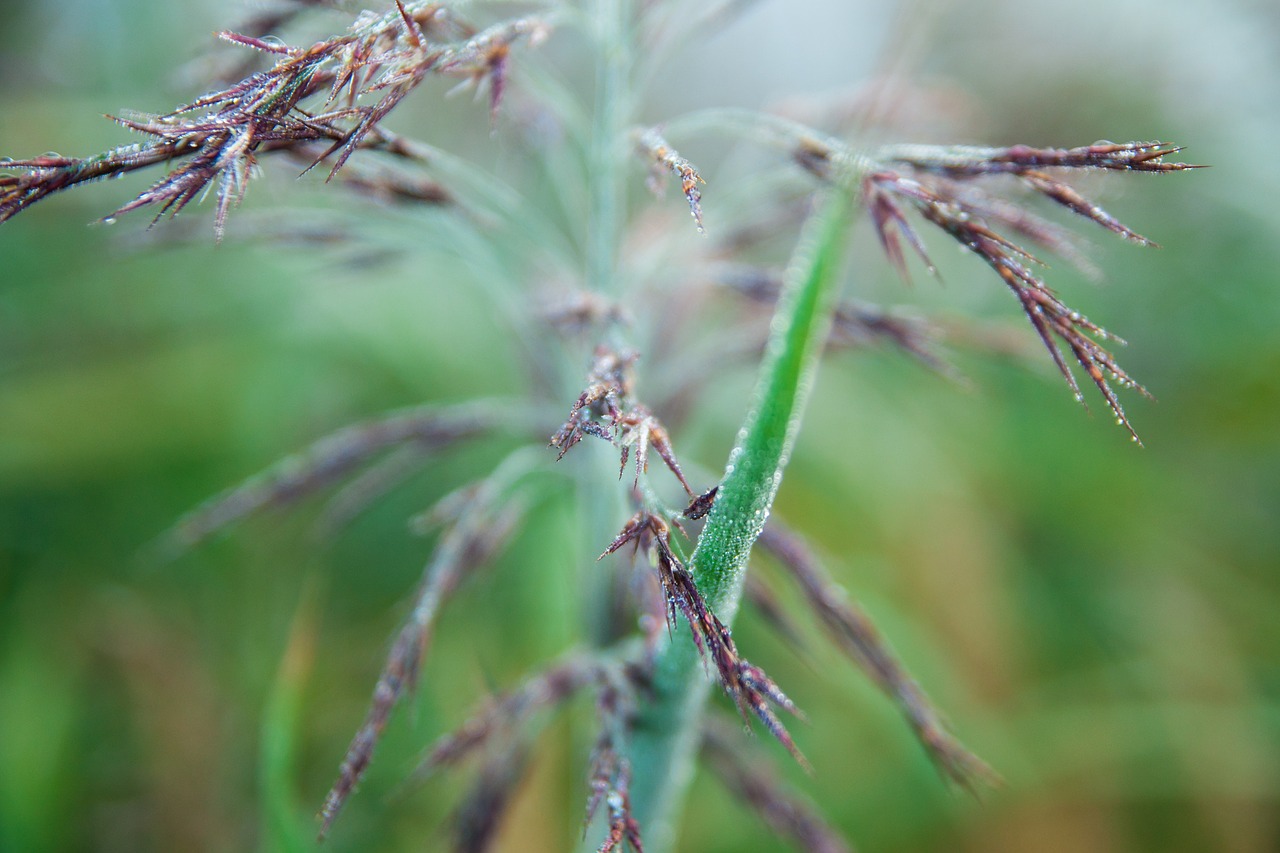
110, 220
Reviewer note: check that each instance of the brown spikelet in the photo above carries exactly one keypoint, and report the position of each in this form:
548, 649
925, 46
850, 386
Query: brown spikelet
889, 221
854, 324
509, 711
610, 777
1070, 199
664, 158
426, 428
470, 543
1054, 322
1018, 220
478, 817
363, 490
936, 182
766, 796
292, 107
622, 826
962, 161
702, 504
752, 691
484, 57
582, 312
854, 633
609, 384
605, 409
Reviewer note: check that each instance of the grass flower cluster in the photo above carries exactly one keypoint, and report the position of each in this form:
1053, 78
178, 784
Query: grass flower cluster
673, 566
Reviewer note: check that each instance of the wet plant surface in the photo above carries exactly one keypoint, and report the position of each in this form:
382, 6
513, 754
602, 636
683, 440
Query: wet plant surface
620, 321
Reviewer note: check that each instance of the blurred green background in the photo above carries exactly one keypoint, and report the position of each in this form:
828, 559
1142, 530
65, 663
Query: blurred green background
1102, 623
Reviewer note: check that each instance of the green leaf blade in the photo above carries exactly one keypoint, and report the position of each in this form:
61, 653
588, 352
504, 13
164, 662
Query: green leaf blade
666, 732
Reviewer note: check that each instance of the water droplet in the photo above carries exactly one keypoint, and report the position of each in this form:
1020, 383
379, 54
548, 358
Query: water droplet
110, 220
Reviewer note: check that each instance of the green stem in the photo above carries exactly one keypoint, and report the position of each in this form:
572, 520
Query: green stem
603, 503
665, 737
612, 117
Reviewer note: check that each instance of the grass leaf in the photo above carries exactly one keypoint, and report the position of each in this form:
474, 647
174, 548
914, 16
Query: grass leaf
664, 740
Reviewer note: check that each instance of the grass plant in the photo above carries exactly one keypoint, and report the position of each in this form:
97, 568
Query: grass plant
674, 569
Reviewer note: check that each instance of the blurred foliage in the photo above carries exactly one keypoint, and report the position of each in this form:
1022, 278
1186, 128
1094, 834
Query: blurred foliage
1099, 621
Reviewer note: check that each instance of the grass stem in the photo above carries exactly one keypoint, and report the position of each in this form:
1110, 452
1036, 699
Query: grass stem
664, 740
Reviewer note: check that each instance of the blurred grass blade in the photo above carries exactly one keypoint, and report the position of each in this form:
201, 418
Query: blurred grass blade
287, 826
327, 460
762, 793
853, 631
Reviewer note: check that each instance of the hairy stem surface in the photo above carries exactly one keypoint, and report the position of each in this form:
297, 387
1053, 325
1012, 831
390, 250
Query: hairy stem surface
664, 740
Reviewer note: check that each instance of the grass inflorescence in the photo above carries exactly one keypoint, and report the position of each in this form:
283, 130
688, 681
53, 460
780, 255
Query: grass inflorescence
328, 106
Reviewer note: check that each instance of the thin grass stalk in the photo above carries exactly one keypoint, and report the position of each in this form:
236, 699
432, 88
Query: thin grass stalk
612, 118
286, 825
601, 503
665, 737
